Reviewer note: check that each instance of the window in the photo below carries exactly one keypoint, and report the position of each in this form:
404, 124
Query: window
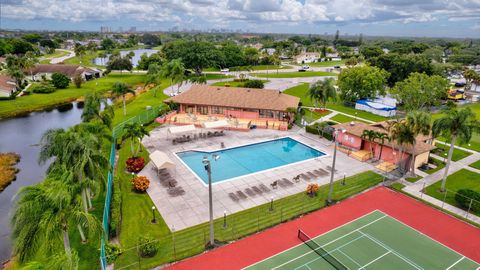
266, 114
217, 110
202, 109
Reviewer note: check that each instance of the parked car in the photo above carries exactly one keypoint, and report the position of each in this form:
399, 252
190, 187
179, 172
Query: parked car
302, 70
306, 67
225, 70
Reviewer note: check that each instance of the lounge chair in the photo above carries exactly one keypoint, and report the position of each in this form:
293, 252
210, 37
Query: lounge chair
330, 169
287, 182
222, 145
250, 192
176, 191
233, 197
296, 179
241, 195
264, 188
323, 171
305, 177
274, 184
257, 190
311, 175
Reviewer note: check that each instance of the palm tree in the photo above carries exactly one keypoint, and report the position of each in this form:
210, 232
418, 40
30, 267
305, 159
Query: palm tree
469, 76
154, 74
403, 136
175, 70
369, 135
455, 124
92, 110
14, 69
120, 89
382, 137
419, 123
29, 62
322, 91
135, 132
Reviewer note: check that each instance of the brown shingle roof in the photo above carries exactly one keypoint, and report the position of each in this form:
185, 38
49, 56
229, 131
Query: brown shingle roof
7, 83
237, 97
68, 70
358, 127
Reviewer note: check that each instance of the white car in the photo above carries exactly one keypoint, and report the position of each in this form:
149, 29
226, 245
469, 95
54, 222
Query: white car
225, 70
306, 67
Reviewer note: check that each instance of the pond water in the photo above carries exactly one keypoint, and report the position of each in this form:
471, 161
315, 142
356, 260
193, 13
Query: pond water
21, 135
138, 53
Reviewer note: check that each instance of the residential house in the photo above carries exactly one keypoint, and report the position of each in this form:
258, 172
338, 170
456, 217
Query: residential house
69, 70
7, 86
307, 57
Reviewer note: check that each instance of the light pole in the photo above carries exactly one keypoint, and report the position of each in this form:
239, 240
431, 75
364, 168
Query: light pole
154, 220
330, 192
208, 168
224, 219
271, 204
343, 181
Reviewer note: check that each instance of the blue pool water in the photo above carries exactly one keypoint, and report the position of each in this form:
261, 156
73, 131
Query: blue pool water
243, 160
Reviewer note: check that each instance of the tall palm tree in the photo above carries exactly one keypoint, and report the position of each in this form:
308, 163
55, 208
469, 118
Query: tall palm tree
419, 123
175, 70
369, 135
154, 77
29, 62
92, 110
14, 69
403, 136
382, 137
121, 89
456, 125
135, 132
322, 91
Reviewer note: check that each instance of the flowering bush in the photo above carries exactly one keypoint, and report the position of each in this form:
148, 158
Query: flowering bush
140, 183
135, 164
312, 189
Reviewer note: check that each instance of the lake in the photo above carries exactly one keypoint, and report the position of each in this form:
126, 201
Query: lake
138, 53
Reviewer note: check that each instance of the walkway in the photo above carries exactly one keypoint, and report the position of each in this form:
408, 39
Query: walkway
63, 58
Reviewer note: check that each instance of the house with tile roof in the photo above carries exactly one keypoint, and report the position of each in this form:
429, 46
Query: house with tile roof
7, 86
69, 70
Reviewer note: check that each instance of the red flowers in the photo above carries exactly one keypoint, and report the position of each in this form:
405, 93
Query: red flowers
135, 164
140, 183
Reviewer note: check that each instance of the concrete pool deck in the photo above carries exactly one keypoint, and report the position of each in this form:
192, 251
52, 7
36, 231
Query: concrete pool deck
191, 208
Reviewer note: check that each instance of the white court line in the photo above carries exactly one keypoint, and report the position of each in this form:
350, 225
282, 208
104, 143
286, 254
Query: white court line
427, 236
349, 257
286, 250
463, 257
304, 254
392, 250
378, 258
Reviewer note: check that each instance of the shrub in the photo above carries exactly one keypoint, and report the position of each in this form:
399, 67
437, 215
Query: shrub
60, 81
140, 183
135, 164
43, 88
321, 129
112, 252
115, 210
148, 247
464, 197
253, 84
77, 80
312, 189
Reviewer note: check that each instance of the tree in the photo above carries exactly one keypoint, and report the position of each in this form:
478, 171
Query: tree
78, 80
455, 125
107, 44
361, 82
20, 46
175, 71
154, 77
119, 63
322, 91
382, 137
251, 56
232, 55
196, 55
254, 84
60, 81
470, 76
92, 110
135, 133
79, 50
371, 51
202, 79
419, 122
151, 39
401, 133
145, 61
369, 135
420, 90
15, 66
120, 89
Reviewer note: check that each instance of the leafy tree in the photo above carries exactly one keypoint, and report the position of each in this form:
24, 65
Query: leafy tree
232, 55
419, 123
60, 81
151, 39
196, 55
202, 79
251, 56
175, 71
470, 76
253, 84
154, 77
361, 82
15, 66
145, 61
119, 63
420, 90
135, 133
107, 44
322, 91
455, 125
434, 54
20, 46
79, 50
121, 89
78, 80
5, 47
32, 38
371, 51
49, 43
401, 66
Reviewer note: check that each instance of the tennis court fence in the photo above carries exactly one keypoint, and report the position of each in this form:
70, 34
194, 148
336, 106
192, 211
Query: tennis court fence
468, 201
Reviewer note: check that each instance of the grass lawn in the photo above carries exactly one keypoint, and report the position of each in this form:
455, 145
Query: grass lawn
462, 179
136, 216
341, 118
301, 92
412, 179
310, 116
259, 67
233, 83
35, 102
440, 165
475, 165
327, 63
56, 54
457, 153
85, 60
397, 186
294, 74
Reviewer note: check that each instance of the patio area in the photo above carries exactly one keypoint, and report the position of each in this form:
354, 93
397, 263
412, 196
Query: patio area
191, 207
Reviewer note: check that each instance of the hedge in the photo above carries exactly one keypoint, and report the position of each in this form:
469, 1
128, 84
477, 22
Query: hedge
42, 88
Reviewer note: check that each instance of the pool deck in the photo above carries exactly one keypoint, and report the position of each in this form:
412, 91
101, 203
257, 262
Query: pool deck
191, 208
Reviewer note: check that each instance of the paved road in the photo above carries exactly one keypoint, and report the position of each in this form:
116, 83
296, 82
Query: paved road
63, 58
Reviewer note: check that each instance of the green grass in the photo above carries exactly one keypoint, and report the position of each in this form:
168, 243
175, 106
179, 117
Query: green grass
475, 165
301, 91
234, 83
310, 116
397, 186
457, 155
440, 165
294, 74
136, 218
85, 60
259, 67
462, 179
36, 102
327, 63
413, 179
341, 118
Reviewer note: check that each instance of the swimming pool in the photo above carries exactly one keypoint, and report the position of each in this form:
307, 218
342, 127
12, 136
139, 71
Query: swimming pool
248, 159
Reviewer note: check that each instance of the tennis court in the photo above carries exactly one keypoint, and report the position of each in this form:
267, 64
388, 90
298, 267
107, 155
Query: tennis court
373, 241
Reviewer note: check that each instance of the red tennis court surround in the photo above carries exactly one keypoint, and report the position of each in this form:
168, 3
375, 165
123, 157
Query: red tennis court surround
457, 235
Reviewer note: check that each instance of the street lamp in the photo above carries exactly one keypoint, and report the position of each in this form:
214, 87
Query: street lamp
343, 181
444, 157
330, 192
271, 204
224, 219
154, 220
208, 168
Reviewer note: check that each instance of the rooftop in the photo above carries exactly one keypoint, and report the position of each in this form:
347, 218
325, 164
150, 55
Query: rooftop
237, 97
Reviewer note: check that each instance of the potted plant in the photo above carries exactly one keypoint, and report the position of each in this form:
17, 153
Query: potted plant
140, 183
312, 190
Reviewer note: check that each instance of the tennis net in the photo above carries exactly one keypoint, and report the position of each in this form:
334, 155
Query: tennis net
320, 251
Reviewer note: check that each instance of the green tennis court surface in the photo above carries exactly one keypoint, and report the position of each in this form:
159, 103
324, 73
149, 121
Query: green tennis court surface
374, 241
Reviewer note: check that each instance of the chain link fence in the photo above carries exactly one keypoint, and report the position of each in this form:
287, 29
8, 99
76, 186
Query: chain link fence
465, 199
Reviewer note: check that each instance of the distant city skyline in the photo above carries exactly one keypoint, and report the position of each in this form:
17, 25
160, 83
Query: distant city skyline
428, 18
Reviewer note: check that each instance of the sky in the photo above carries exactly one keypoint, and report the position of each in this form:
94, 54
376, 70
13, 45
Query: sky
416, 18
